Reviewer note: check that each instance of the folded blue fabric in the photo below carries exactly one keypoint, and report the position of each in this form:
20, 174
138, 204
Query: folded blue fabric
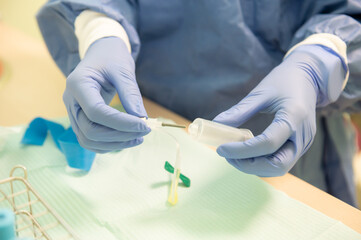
65, 139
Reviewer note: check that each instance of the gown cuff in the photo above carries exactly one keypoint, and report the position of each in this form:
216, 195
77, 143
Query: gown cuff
328, 40
91, 26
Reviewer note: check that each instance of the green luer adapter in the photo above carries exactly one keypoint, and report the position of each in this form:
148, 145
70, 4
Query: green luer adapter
186, 181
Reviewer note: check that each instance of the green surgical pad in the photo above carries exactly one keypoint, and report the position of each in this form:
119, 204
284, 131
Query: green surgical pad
124, 196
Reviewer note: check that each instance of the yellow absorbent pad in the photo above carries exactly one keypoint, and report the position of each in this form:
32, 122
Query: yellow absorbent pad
125, 194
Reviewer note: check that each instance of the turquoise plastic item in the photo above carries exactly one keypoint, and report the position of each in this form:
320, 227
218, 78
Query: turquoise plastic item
76, 156
65, 140
7, 225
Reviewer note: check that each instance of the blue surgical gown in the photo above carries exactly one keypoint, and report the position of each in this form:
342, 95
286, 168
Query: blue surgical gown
198, 58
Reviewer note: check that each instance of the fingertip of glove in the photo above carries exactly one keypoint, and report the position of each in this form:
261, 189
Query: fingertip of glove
132, 143
141, 113
221, 151
138, 125
138, 141
136, 109
246, 165
232, 161
226, 119
225, 148
218, 118
147, 130
100, 151
238, 164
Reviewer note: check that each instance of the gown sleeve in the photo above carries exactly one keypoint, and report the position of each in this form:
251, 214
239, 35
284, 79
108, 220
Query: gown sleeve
56, 22
347, 27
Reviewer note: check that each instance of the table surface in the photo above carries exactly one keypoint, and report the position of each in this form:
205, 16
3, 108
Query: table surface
35, 88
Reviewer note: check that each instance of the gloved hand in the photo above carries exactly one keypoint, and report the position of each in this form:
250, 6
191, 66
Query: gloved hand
107, 68
310, 76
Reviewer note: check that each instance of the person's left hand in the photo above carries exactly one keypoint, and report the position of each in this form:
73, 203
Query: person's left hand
291, 91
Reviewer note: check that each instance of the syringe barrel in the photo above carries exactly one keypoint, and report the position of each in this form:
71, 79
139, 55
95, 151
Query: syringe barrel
215, 134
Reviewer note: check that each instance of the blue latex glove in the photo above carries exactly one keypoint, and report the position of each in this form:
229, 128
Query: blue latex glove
106, 68
310, 76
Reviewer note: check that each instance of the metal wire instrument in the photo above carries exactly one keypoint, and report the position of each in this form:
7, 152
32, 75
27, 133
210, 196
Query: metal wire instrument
34, 217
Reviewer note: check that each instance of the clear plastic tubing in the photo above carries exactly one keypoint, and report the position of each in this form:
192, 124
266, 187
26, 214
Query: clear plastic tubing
215, 134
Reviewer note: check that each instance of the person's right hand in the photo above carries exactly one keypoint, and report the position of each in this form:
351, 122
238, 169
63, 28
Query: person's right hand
107, 68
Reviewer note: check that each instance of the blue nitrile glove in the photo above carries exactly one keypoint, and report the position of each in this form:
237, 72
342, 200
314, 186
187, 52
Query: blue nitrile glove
107, 68
310, 76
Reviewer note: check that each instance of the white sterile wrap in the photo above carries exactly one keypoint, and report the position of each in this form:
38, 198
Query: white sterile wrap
330, 41
91, 26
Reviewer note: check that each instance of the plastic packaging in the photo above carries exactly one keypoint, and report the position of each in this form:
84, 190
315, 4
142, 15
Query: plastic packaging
215, 134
